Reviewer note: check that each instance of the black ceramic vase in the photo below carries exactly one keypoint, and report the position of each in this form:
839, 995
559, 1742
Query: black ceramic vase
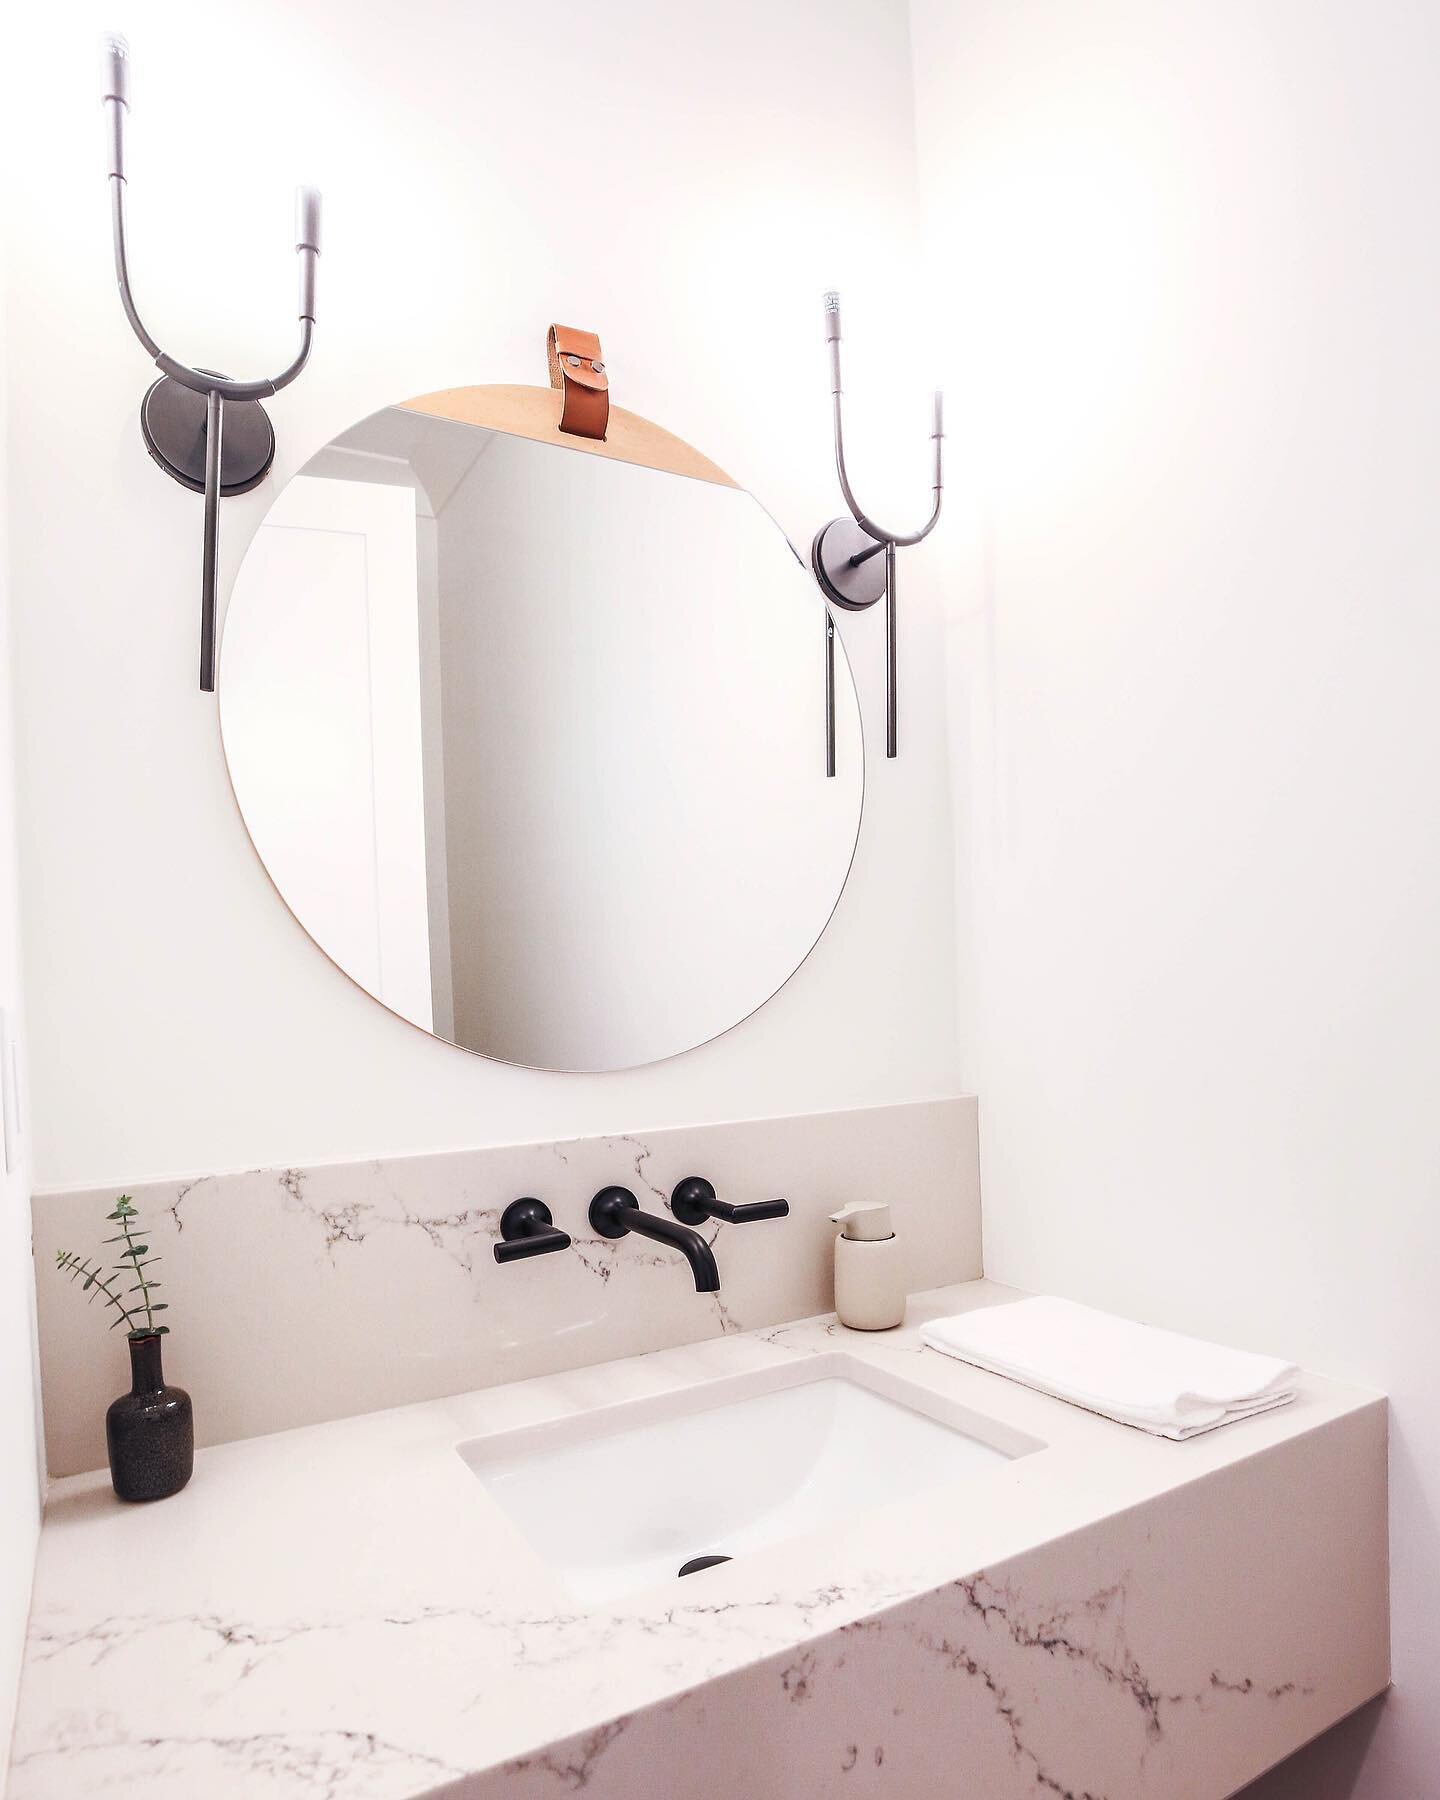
150, 1431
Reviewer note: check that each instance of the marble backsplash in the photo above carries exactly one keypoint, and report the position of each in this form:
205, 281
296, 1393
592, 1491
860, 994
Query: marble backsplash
304, 1294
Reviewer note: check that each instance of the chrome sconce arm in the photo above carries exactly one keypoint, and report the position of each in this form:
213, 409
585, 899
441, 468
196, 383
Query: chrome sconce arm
854, 559
207, 432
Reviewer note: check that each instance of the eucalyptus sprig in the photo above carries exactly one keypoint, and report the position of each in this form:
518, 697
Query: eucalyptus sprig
135, 1259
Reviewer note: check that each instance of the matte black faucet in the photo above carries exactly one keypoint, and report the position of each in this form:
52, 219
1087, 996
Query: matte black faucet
694, 1201
615, 1211
527, 1229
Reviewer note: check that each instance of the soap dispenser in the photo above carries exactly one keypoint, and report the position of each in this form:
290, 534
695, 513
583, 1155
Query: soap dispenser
869, 1280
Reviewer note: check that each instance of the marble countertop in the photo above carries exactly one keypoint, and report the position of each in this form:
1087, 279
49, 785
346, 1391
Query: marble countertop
341, 1610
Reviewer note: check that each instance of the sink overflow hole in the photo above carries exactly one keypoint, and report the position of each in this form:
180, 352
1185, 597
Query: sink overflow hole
696, 1563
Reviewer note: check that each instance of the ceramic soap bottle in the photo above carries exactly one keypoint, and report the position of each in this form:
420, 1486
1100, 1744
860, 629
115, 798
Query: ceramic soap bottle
869, 1281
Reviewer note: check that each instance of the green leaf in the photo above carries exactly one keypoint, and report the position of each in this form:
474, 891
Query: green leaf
131, 1255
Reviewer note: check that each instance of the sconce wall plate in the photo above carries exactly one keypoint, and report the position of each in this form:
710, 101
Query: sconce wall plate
172, 423
848, 566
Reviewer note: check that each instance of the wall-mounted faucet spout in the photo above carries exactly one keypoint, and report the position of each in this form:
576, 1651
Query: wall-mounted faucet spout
615, 1211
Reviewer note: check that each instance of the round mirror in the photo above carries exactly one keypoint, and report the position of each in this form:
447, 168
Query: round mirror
531, 732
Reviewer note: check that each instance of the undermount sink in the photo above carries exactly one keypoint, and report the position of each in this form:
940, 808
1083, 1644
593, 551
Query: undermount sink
620, 1499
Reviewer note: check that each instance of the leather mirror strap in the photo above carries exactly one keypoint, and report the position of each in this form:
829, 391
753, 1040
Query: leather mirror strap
577, 370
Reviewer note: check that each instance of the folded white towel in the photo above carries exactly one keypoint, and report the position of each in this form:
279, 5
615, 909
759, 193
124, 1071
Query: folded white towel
1160, 1381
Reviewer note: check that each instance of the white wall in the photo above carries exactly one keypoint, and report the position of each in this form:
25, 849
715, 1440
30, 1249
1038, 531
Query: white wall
19, 1437
1193, 283
487, 169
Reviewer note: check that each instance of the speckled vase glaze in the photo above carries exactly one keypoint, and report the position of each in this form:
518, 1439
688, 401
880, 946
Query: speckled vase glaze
150, 1431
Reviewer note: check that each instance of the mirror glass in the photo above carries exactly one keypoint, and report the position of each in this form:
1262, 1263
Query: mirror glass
532, 739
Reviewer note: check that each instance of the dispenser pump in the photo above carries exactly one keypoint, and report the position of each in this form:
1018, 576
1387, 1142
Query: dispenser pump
869, 1268
868, 1223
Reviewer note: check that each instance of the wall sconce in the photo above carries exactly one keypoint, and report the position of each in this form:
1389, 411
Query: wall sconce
854, 558
207, 432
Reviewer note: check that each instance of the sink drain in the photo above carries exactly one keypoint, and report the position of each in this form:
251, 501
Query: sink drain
696, 1563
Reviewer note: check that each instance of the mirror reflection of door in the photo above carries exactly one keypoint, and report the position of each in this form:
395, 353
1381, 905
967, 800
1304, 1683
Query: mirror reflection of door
333, 732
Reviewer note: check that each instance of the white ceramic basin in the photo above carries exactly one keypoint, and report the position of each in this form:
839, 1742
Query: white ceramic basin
618, 1499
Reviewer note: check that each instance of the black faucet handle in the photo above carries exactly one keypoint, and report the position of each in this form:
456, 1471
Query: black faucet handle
527, 1229
755, 1209
694, 1202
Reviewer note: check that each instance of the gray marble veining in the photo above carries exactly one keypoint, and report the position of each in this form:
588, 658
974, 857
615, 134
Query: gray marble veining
1107, 1617
377, 1284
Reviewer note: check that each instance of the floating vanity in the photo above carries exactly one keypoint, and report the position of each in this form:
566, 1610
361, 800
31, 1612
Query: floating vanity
477, 1596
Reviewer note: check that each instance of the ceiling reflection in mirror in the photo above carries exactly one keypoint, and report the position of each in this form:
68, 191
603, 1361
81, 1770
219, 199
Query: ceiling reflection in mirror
532, 741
